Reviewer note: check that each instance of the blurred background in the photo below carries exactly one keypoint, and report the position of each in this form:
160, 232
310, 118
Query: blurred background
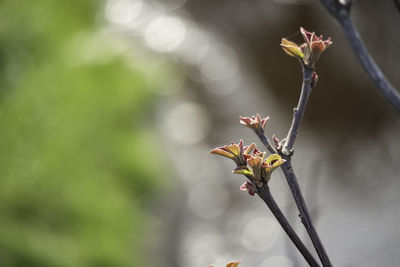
108, 111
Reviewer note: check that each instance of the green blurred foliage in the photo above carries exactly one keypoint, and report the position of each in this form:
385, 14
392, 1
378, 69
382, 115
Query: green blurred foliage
76, 161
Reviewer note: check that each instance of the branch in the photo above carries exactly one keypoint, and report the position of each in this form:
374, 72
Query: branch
265, 194
307, 54
264, 139
308, 83
258, 172
302, 207
304, 214
298, 112
342, 14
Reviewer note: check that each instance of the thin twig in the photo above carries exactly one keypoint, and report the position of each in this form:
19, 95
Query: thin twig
304, 214
302, 207
264, 139
288, 169
298, 112
265, 194
342, 14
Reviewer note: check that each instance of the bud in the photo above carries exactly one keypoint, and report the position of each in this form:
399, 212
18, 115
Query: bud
262, 168
234, 152
308, 52
249, 187
254, 122
277, 143
291, 48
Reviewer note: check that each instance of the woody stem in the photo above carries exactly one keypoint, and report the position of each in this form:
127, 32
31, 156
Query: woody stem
298, 111
264, 139
342, 13
288, 169
304, 214
265, 194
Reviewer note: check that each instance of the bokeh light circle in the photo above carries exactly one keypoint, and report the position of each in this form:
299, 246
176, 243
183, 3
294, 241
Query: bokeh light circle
208, 200
123, 11
165, 33
188, 123
259, 234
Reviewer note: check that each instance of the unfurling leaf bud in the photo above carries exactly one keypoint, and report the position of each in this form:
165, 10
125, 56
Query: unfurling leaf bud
249, 187
255, 123
309, 51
